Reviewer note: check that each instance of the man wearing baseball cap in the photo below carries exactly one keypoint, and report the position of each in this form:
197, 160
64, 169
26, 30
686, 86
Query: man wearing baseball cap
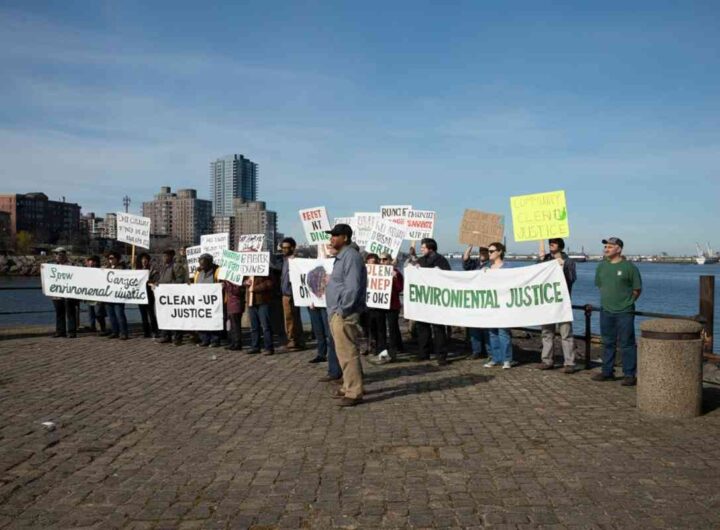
620, 285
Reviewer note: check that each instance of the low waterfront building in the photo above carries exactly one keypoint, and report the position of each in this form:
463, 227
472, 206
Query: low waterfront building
48, 222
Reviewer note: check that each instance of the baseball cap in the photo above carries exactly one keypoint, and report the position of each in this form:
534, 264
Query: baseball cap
60, 250
613, 241
340, 230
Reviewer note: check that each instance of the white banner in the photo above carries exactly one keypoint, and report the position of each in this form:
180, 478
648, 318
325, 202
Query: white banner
251, 242
488, 298
315, 223
386, 236
420, 224
379, 285
99, 285
133, 229
364, 222
214, 244
235, 265
192, 257
197, 306
308, 279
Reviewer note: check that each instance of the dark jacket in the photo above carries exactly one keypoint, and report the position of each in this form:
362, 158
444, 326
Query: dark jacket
172, 273
568, 269
473, 264
261, 291
397, 288
235, 295
432, 260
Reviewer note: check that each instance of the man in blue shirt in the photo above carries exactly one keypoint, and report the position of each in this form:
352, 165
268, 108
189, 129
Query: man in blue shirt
345, 298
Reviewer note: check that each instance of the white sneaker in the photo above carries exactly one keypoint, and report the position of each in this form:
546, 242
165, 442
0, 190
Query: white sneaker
490, 364
507, 365
383, 356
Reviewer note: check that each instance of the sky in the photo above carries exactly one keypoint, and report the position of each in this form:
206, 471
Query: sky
353, 105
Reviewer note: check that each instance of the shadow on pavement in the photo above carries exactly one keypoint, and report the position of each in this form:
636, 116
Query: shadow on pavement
435, 385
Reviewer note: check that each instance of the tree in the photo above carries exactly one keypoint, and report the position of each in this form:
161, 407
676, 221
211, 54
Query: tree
23, 242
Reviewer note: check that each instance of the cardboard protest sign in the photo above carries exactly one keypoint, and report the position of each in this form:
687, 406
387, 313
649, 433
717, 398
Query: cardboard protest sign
198, 306
315, 223
235, 265
379, 285
308, 278
192, 257
539, 216
420, 224
364, 222
386, 236
119, 286
251, 242
133, 229
395, 213
214, 244
481, 228
488, 298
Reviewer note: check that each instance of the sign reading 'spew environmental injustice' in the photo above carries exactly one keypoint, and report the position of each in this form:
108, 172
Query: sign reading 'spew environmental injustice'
235, 265
196, 307
133, 229
192, 256
364, 223
488, 298
379, 285
214, 244
251, 242
420, 224
386, 237
118, 286
315, 223
540, 216
308, 280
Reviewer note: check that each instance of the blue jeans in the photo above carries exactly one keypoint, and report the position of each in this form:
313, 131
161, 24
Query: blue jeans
118, 322
260, 324
479, 340
614, 328
207, 337
325, 343
500, 345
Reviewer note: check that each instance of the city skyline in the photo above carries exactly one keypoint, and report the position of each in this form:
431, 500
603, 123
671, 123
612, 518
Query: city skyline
442, 108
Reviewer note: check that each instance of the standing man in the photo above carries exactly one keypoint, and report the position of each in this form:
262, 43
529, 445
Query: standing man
65, 308
293, 322
345, 297
207, 272
258, 297
431, 337
620, 286
96, 310
479, 337
557, 245
171, 272
115, 310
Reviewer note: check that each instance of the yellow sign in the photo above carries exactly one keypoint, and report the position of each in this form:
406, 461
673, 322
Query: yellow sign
539, 216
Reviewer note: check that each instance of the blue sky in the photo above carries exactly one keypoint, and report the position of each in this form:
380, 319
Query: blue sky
444, 106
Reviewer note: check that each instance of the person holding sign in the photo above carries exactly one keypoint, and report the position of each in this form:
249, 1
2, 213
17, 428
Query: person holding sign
116, 311
96, 310
207, 272
345, 296
500, 338
431, 337
171, 272
235, 295
65, 308
393, 314
147, 311
293, 322
479, 338
377, 322
258, 297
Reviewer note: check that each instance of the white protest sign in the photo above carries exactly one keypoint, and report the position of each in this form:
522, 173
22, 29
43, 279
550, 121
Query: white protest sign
488, 298
386, 237
198, 306
308, 277
315, 223
397, 213
119, 286
364, 222
379, 285
192, 257
214, 244
420, 224
251, 242
235, 265
350, 221
133, 229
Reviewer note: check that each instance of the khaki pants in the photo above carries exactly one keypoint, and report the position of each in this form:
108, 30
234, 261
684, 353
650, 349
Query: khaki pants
293, 323
345, 333
566, 339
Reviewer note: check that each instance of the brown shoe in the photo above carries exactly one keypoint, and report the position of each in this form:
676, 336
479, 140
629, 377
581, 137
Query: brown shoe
568, 370
338, 394
349, 402
328, 379
544, 366
629, 380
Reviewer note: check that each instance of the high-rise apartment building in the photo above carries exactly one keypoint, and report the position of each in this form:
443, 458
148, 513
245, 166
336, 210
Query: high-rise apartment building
253, 218
232, 177
181, 216
47, 221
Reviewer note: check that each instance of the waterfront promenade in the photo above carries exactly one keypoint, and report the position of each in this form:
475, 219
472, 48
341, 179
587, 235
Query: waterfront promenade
166, 437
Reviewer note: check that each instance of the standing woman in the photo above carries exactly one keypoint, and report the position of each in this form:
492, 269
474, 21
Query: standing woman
116, 311
147, 311
500, 339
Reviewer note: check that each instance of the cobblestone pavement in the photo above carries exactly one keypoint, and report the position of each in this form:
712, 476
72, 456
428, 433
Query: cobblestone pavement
157, 436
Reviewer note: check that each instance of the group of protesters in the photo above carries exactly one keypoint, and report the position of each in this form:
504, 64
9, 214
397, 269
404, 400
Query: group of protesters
339, 326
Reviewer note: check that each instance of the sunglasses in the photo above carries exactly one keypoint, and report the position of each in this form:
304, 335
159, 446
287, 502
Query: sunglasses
492, 250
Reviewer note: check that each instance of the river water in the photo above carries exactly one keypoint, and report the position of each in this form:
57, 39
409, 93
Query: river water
667, 288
